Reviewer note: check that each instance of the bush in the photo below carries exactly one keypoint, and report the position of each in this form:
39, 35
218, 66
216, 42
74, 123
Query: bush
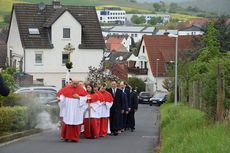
9, 80
170, 98
136, 82
29, 101
13, 118
14, 99
188, 130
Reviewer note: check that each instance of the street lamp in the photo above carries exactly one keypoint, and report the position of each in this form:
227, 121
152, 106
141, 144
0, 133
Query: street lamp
156, 72
175, 96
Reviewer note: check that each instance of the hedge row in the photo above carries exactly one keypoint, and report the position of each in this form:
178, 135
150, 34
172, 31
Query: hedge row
18, 100
19, 112
13, 118
189, 130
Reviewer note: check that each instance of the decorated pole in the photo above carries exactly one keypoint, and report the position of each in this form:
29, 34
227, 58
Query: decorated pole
69, 65
89, 112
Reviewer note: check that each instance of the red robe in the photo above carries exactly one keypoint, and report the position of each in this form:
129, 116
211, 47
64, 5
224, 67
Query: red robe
104, 120
71, 132
94, 121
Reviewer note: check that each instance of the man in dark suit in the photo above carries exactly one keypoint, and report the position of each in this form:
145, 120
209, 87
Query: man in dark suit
117, 107
134, 107
4, 90
126, 99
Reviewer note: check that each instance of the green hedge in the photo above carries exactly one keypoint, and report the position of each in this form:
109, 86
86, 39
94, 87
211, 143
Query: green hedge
33, 107
13, 118
18, 100
187, 130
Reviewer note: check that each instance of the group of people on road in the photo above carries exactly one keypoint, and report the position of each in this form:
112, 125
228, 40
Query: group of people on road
95, 110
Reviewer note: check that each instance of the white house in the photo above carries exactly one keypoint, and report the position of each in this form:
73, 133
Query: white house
164, 17
192, 30
111, 15
154, 59
135, 32
38, 35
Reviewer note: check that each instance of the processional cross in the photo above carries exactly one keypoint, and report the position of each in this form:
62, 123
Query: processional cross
69, 49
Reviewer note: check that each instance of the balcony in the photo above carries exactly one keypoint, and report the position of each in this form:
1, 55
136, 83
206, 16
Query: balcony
137, 71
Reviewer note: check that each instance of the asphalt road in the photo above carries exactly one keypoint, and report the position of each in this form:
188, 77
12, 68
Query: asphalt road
143, 140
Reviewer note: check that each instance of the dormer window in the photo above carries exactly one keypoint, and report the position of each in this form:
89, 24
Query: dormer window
143, 49
34, 31
66, 32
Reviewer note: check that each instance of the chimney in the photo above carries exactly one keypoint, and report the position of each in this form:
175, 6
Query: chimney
56, 4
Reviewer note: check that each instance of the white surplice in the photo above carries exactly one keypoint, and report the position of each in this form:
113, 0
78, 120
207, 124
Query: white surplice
74, 110
105, 109
94, 111
61, 105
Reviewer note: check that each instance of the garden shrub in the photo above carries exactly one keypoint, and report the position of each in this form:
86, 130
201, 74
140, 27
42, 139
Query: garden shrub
13, 118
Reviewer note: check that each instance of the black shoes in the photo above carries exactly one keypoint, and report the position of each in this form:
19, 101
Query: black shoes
115, 133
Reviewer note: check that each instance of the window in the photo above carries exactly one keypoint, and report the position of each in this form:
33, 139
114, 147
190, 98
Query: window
143, 49
65, 58
100, 18
40, 80
11, 57
145, 65
63, 83
66, 32
131, 35
33, 31
38, 58
135, 35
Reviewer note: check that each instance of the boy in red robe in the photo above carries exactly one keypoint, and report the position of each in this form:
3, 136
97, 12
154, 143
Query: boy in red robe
105, 109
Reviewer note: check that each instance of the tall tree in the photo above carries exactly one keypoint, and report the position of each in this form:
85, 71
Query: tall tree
155, 20
157, 6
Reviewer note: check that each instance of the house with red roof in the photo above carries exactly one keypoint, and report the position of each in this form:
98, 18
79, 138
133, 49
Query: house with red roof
155, 55
118, 43
203, 21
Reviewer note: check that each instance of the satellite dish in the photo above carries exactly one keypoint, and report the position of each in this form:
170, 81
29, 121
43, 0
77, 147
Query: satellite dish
41, 6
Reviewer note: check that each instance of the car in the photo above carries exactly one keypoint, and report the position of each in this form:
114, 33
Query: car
144, 97
37, 88
46, 94
44, 97
158, 99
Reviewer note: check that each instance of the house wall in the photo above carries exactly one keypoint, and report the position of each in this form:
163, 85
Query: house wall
111, 16
51, 70
14, 42
55, 79
149, 79
127, 42
184, 33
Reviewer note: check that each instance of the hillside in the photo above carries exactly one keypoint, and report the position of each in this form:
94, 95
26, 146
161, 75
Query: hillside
123, 3
220, 6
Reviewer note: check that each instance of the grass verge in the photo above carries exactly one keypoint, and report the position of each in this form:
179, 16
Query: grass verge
187, 130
